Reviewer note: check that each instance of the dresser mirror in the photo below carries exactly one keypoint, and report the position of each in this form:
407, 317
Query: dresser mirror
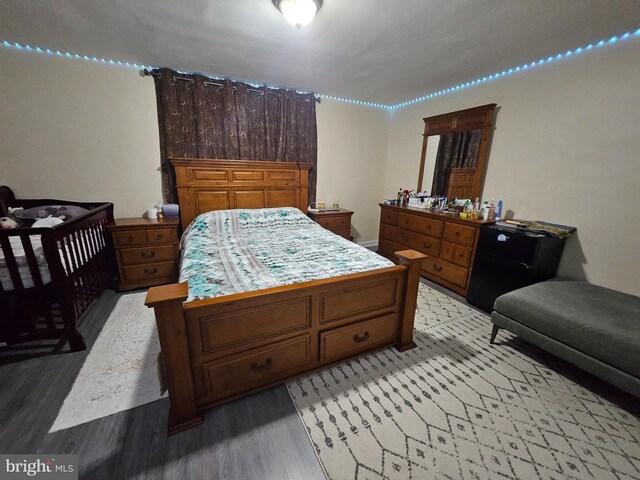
455, 150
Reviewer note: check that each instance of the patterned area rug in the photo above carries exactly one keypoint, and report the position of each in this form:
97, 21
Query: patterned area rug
120, 371
458, 408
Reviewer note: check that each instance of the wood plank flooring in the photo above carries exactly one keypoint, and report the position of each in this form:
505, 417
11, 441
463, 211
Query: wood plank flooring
258, 437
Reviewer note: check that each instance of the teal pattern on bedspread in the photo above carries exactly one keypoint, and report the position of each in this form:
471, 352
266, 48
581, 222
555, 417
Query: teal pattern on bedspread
233, 251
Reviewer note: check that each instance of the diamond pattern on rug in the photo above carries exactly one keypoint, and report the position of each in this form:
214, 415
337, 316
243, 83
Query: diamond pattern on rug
457, 407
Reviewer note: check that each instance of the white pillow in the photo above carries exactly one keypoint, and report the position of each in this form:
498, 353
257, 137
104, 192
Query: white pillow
47, 222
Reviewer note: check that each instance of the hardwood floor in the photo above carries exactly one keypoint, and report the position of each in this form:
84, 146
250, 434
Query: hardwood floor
258, 437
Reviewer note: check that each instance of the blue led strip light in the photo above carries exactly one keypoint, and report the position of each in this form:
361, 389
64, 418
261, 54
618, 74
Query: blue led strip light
518, 69
478, 81
355, 102
46, 51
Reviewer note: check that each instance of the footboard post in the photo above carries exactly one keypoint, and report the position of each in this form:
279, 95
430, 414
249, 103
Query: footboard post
167, 301
413, 261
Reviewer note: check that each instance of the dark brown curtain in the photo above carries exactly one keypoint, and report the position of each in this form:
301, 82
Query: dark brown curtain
456, 150
199, 117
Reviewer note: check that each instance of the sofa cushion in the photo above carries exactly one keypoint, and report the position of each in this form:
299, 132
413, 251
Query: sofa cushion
598, 321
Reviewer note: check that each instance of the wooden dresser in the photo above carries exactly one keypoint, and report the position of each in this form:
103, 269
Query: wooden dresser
146, 251
338, 221
449, 241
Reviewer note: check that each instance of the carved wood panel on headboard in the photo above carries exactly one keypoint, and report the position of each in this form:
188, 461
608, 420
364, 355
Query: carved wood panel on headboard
213, 184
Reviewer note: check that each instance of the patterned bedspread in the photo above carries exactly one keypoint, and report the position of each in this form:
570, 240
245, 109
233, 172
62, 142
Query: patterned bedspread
233, 251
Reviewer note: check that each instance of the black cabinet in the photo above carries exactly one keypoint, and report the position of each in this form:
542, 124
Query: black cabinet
510, 258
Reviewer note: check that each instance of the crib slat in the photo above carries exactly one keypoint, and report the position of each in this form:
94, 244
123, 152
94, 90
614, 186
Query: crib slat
18, 287
91, 264
75, 273
38, 284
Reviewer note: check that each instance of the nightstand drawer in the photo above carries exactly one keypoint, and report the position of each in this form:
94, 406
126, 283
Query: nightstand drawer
130, 237
162, 235
334, 222
151, 271
343, 232
159, 253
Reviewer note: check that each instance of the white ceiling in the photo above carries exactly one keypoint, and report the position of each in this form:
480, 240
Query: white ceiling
374, 50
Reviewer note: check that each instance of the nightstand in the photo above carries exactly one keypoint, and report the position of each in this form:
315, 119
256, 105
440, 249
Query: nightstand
146, 251
338, 221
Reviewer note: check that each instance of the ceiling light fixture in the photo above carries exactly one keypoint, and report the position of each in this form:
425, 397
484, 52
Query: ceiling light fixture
298, 12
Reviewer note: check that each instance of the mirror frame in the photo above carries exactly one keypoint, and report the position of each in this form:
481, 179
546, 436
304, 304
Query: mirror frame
475, 118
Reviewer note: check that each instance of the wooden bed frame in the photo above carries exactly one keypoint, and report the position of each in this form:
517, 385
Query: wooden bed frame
218, 349
53, 310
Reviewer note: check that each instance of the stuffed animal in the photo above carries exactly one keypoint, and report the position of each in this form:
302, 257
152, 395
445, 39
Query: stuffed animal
6, 222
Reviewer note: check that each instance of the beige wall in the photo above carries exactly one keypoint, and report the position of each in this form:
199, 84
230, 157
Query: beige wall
566, 149
83, 131
352, 145
79, 131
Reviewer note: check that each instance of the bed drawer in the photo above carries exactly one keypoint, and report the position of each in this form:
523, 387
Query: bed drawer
148, 272
254, 368
134, 256
362, 336
126, 238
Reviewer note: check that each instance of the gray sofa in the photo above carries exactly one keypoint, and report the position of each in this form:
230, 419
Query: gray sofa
592, 327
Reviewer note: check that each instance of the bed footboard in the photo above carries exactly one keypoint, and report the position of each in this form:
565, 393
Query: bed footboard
218, 349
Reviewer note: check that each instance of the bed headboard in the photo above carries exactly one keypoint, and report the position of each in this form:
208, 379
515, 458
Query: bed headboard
212, 184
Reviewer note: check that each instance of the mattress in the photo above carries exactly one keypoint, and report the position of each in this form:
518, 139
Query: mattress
232, 251
23, 266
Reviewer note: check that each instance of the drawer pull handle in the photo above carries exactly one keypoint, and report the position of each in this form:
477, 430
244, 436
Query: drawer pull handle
259, 368
150, 272
363, 338
461, 254
437, 268
428, 227
457, 234
159, 236
148, 254
426, 245
129, 239
405, 238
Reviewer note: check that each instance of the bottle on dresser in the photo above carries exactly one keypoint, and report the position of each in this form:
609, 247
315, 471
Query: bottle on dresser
492, 211
485, 210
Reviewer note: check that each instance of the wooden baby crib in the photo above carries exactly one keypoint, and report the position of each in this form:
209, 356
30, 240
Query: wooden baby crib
52, 276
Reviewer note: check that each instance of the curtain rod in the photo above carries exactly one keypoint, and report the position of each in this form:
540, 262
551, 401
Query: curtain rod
145, 72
